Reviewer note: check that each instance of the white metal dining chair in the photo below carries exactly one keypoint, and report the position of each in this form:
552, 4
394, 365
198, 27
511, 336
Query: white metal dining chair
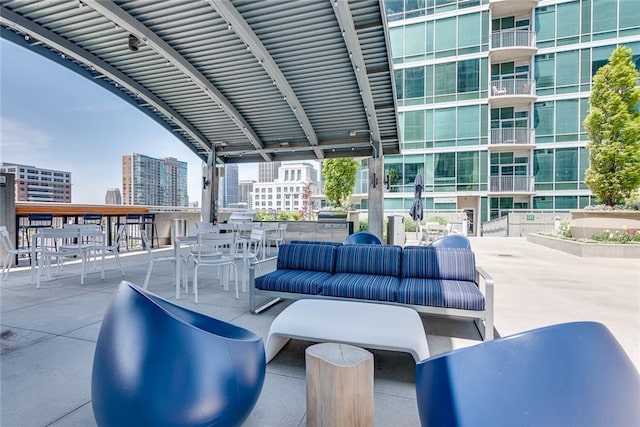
205, 226
255, 244
56, 246
214, 250
276, 236
91, 239
114, 248
9, 251
153, 258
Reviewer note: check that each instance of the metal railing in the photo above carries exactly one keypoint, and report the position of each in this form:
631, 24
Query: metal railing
498, 227
511, 183
504, 87
511, 136
513, 38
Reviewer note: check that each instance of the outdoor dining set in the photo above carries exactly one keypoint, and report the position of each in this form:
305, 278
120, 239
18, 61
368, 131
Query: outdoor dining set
50, 247
218, 246
206, 245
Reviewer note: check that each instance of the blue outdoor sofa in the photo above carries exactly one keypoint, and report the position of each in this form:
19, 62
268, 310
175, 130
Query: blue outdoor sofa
444, 281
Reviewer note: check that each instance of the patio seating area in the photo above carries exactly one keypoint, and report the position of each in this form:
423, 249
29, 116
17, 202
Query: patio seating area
48, 335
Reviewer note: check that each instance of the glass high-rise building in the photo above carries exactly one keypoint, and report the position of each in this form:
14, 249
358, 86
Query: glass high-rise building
154, 182
113, 197
491, 98
229, 192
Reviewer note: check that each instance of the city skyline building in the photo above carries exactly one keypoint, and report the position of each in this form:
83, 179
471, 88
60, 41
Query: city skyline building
245, 187
268, 171
491, 98
33, 184
154, 182
113, 197
285, 193
228, 191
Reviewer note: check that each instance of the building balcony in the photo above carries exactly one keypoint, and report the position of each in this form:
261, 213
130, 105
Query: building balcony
500, 8
512, 92
507, 139
512, 45
511, 184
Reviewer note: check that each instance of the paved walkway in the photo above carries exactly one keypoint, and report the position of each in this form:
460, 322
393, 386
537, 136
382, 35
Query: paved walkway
48, 335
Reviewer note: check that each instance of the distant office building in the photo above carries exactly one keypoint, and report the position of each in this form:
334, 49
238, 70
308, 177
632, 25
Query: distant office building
268, 171
228, 190
113, 197
39, 185
154, 182
246, 191
286, 192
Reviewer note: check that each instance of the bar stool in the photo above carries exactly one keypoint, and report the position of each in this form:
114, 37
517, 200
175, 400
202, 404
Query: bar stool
131, 228
35, 222
149, 220
92, 218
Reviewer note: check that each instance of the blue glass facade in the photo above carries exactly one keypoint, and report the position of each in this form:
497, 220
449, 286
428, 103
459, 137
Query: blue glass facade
492, 96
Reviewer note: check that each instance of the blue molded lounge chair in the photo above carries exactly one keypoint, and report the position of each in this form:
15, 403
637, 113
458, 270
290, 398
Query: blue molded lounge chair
362, 237
572, 374
452, 241
157, 364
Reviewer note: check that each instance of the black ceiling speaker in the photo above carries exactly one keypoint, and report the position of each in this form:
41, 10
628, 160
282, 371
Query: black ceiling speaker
134, 42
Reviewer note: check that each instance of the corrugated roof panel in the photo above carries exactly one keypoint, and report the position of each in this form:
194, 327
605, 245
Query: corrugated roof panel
314, 62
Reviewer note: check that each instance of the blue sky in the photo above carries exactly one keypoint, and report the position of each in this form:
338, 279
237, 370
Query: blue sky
54, 119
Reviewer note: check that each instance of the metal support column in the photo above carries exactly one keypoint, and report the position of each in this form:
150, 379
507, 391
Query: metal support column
376, 196
208, 193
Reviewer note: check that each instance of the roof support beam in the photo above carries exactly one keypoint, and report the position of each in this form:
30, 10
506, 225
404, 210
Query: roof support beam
351, 40
238, 25
54, 41
114, 13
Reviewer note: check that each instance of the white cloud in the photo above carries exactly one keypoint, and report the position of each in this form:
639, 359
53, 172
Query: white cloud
22, 143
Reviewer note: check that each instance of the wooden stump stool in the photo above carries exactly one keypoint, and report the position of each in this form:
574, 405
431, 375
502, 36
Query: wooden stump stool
339, 386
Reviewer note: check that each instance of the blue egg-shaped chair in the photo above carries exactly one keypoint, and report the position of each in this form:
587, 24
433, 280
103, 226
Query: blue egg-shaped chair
161, 365
452, 241
571, 374
362, 237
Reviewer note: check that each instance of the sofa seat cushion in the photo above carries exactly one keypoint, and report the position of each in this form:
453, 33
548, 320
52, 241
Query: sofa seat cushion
381, 260
362, 286
298, 281
439, 263
440, 293
307, 257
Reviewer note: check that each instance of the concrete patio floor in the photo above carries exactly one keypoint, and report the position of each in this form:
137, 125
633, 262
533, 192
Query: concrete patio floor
48, 335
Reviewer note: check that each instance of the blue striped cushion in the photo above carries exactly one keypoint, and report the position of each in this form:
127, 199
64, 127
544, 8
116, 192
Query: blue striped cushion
302, 282
307, 257
363, 286
439, 263
440, 293
369, 259
314, 242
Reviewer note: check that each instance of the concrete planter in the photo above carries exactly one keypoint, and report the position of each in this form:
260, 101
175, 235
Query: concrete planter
587, 249
585, 224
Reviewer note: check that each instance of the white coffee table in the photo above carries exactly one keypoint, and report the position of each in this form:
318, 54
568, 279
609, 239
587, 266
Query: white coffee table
369, 325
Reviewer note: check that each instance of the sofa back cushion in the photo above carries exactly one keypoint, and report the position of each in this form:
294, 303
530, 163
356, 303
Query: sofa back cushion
439, 263
309, 257
369, 259
314, 242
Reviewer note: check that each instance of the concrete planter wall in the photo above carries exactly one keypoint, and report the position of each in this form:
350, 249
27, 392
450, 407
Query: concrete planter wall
583, 249
585, 224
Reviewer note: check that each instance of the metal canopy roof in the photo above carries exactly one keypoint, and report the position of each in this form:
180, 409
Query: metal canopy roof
259, 80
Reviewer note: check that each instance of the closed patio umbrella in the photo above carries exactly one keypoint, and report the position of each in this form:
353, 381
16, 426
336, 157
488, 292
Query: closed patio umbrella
416, 211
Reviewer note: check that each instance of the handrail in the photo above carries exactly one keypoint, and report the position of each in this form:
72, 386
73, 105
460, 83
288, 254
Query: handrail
73, 209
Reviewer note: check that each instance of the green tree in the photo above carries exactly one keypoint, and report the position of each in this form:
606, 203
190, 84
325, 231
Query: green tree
340, 177
613, 124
